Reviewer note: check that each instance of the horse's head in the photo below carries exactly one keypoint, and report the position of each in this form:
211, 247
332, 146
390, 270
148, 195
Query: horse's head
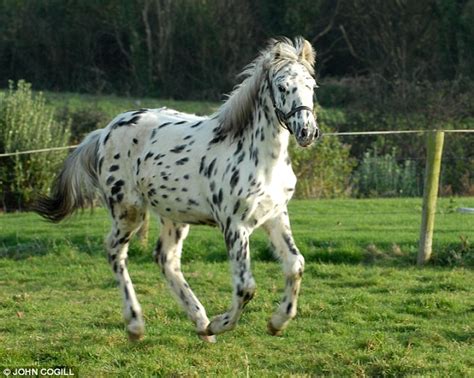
291, 86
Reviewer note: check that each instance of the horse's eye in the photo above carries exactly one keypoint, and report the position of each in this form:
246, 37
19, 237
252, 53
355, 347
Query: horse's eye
281, 88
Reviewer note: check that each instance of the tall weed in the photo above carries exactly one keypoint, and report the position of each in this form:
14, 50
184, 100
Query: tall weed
383, 176
324, 169
26, 123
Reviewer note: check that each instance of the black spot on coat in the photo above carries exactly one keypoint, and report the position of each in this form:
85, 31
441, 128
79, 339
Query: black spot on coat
182, 161
164, 125
148, 155
234, 179
178, 149
110, 180
107, 138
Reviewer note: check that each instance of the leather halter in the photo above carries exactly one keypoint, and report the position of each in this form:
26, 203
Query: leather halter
282, 116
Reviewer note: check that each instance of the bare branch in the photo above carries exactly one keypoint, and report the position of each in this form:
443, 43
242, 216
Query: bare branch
348, 42
149, 44
328, 28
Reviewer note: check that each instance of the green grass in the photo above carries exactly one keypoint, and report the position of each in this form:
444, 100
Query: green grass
113, 105
364, 309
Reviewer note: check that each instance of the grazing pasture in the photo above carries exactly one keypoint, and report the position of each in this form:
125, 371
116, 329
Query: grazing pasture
364, 308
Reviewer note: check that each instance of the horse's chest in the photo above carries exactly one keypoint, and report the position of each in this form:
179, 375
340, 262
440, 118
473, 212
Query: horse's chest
274, 196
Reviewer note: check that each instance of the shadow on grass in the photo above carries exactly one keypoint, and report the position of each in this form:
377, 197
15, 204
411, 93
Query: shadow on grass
17, 247
212, 250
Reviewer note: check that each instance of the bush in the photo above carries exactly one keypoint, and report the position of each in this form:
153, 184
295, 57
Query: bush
373, 104
382, 175
83, 120
323, 170
457, 169
336, 92
26, 123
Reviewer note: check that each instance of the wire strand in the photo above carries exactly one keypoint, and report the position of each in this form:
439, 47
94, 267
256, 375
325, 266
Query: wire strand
386, 132
37, 151
350, 133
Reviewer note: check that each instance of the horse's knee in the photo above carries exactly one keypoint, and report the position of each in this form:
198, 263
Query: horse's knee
294, 266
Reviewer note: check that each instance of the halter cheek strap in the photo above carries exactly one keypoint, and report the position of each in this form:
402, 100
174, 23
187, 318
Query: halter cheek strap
282, 116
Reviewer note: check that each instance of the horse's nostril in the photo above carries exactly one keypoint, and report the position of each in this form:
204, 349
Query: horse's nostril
304, 133
316, 133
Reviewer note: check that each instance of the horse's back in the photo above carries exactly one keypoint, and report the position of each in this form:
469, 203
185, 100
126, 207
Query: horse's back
134, 133
177, 115
152, 157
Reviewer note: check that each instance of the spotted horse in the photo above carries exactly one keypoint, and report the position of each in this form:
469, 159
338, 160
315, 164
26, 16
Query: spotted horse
230, 169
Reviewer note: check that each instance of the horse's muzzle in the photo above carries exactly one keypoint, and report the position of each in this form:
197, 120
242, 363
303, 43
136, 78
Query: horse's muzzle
307, 134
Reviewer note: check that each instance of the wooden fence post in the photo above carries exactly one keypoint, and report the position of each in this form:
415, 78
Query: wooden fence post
430, 194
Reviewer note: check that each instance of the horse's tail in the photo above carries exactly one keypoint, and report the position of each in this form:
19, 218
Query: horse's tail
75, 185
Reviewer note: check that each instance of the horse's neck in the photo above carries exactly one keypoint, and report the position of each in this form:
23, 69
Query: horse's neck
273, 145
276, 139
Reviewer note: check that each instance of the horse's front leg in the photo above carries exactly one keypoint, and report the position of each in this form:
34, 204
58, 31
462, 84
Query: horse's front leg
279, 232
237, 241
168, 255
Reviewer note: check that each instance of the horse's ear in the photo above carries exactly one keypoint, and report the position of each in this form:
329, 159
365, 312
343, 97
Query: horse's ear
308, 53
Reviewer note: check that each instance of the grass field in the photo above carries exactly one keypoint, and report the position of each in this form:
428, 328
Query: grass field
365, 309
113, 105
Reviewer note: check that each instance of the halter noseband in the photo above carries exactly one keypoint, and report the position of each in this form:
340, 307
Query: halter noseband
282, 116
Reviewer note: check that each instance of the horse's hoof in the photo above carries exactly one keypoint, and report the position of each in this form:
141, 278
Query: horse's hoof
135, 332
133, 337
208, 338
272, 330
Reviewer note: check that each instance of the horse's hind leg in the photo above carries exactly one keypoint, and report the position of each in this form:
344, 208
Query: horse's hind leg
280, 235
127, 219
168, 256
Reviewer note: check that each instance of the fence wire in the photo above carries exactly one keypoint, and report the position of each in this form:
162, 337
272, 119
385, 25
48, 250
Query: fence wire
350, 133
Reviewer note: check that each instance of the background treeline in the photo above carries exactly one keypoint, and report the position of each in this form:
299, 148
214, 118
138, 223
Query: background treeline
193, 48
381, 65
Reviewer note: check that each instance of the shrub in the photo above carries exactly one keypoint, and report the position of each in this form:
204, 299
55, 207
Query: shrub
83, 120
382, 175
336, 92
26, 123
373, 104
323, 170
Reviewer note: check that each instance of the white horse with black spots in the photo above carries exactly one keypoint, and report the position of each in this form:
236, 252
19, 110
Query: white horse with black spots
231, 169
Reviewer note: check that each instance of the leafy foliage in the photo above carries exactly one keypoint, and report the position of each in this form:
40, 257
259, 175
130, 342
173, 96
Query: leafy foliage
323, 170
391, 65
193, 49
26, 123
383, 176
